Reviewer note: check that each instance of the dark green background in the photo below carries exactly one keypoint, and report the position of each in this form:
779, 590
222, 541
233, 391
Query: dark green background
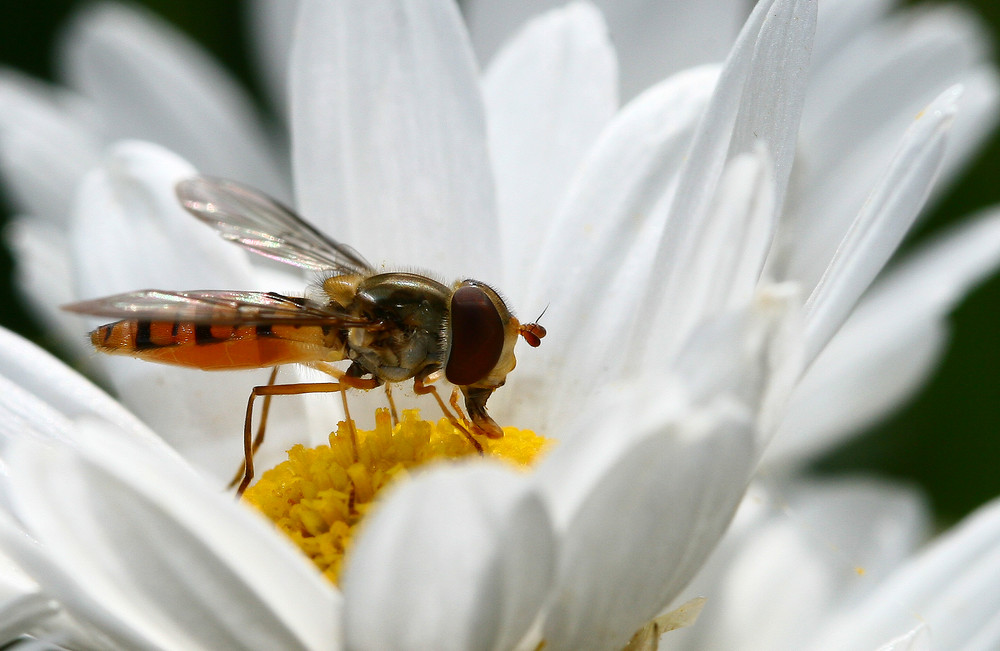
947, 440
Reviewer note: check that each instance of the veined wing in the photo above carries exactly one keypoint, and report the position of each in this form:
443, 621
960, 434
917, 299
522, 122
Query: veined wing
261, 224
219, 308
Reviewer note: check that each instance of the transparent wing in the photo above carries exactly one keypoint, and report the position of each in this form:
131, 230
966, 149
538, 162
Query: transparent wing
260, 224
219, 308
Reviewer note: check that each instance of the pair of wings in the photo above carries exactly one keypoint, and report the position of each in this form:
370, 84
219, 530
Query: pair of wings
259, 224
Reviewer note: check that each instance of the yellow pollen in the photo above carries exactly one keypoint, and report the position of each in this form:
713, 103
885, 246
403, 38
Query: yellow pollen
319, 495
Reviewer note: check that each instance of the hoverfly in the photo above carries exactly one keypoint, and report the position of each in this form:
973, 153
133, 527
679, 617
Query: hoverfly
391, 327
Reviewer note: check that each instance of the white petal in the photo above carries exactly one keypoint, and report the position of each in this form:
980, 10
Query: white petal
601, 239
389, 136
35, 371
841, 20
44, 148
646, 528
881, 224
142, 548
130, 233
271, 26
860, 378
152, 82
841, 537
918, 639
653, 39
758, 99
720, 269
952, 587
459, 558
756, 104
657, 39
23, 607
43, 274
858, 106
548, 95
890, 343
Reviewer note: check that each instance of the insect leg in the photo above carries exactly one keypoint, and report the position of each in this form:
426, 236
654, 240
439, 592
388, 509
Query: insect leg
274, 390
392, 404
455, 393
259, 438
420, 388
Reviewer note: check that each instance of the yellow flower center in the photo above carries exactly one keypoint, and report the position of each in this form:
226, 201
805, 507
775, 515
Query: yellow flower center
319, 495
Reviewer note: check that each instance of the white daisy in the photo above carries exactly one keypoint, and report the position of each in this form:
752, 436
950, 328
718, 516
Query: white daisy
845, 565
387, 119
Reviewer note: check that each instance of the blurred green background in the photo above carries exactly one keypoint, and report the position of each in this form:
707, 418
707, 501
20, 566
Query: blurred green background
947, 440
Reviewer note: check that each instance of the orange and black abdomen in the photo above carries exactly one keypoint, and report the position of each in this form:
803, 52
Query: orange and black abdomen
218, 347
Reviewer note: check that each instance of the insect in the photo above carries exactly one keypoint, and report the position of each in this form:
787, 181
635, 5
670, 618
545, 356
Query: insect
391, 327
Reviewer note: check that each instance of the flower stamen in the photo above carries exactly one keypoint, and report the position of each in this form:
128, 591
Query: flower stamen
318, 496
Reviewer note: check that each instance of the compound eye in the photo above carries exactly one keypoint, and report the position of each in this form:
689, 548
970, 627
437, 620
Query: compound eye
477, 336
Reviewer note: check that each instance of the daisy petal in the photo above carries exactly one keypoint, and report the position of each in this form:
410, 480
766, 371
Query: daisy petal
173, 551
698, 33
918, 639
952, 587
44, 148
459, 558
601, 237
881, 224
888, 346
758, 99
757, 103
272, 24
146, 238
682, 484
148, 241
841, 536
35, 371
388, 134
841, 20
152, 83
718, 272
858, 106
44, 276
548, 94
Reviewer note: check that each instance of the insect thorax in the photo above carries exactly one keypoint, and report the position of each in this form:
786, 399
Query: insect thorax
413, 310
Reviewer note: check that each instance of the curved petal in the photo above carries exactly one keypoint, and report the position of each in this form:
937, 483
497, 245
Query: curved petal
272, 24
23, 607
890, 343
673, 492
548, 95
172, 568
43, 273
150, 82
148, 241
860, 102
459, 558
654, 39
883, 221
952, 587
37, 372
841, 537
45, 148
600, 238
389, 137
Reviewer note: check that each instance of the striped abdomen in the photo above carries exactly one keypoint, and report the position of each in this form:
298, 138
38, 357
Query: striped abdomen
218, 347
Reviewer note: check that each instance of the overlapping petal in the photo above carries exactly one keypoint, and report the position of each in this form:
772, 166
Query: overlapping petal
548, 94
148, 81
474, 538
889, 344
389, 135
653, 39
